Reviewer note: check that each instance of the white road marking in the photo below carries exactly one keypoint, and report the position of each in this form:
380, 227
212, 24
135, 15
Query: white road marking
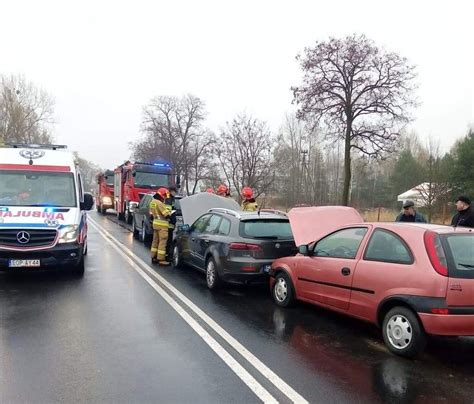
269, 374
230, 361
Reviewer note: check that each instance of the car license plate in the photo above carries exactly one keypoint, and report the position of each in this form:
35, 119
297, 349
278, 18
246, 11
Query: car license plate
24, 263
266, 268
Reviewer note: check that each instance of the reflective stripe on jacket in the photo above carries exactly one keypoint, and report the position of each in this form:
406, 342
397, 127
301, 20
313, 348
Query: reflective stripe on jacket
160, 213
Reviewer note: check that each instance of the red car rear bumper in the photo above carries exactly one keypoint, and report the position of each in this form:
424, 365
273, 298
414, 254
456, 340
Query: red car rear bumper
454, 325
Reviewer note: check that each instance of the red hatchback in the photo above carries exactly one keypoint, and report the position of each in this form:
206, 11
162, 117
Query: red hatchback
409, 279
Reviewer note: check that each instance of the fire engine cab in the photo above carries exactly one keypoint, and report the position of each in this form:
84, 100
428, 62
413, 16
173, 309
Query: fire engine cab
105, 192
134, 180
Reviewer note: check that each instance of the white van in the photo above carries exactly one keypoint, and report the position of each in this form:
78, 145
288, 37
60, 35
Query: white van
43, 222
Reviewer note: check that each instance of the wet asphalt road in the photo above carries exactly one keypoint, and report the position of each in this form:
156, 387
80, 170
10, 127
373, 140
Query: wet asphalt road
110, 337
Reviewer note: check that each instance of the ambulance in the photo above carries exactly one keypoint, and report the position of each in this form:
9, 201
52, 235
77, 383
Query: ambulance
43, 221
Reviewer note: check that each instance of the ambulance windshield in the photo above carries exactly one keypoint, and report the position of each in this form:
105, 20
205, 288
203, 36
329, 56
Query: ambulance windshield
35, 188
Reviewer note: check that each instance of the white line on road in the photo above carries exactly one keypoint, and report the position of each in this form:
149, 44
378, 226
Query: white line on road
271, 376
230, 361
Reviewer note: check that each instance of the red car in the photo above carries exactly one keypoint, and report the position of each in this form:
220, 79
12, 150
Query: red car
409, 279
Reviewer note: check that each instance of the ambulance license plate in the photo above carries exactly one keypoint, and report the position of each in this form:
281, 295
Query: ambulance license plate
24, 263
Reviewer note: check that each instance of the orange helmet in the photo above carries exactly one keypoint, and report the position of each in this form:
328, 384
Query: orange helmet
247, 192
163, 192
210, 191
222, 190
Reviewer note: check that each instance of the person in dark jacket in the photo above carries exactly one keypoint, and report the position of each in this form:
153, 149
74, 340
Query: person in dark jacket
409, 213
170, 202
465, 215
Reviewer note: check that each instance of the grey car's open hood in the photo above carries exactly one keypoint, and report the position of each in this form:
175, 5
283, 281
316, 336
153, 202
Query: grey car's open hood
196, 205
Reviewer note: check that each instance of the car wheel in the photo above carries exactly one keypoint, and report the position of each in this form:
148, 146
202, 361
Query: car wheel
177, 260
136, 233
143, 235
283, 291
212, 277
402, 332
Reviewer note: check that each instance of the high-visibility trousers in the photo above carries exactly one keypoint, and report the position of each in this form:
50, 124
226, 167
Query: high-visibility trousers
158, 245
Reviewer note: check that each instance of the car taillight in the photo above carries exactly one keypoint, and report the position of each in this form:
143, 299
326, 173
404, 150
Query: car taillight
245, 247
436, 253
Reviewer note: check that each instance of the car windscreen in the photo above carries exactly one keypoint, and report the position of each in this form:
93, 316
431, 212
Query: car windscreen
266, 229
461, 255
150, 180
35, 188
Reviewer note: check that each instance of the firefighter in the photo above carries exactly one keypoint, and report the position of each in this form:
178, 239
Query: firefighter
249, 203
223, 191
169, 202
160, 213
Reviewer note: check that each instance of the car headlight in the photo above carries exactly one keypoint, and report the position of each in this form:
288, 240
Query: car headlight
68, 234
107, 200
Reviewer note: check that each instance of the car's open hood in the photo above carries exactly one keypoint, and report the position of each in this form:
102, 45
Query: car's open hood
196, 205
311, 223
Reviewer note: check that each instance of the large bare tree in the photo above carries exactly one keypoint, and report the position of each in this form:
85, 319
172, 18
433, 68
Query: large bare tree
26, 112
172, 128
362, 94
245, 154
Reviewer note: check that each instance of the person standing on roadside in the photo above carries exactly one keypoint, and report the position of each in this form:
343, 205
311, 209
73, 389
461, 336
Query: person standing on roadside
465, 215
409, 213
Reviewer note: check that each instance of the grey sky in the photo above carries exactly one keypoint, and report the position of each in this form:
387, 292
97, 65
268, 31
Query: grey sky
103, 60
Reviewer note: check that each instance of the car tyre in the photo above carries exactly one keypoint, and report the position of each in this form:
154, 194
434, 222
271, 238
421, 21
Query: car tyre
143, 236
283, 292
136, 232
212, 277
177, 259
403, 333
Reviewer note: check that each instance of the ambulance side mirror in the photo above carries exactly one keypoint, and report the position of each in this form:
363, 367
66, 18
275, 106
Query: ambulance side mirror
88, 202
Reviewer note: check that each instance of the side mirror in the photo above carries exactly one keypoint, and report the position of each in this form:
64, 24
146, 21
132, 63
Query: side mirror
88, 202
134, 174
303, 250
178, 182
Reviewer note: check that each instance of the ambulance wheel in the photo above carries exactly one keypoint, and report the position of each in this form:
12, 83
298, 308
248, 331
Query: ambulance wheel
85, 248
80, 268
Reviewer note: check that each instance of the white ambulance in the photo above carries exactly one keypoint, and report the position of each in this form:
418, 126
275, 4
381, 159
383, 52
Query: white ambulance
43, 222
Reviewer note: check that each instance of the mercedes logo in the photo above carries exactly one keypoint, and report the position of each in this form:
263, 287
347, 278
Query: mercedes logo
277, 245
23, 237
32, 154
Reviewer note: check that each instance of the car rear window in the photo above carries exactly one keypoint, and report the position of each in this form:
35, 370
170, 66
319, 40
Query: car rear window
461, 255
265, 228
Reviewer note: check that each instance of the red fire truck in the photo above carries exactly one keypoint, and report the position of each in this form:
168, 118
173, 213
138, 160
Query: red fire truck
105, 192
133, 180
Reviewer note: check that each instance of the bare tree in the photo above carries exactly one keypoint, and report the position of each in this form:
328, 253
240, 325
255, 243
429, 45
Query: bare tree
435, 188
245, 154
173, 129
89, 172
361, 93
26, 112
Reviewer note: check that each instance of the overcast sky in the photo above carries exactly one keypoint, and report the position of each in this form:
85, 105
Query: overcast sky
104, 60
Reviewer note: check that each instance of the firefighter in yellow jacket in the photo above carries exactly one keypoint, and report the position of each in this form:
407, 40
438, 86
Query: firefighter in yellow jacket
249, 203
161, 214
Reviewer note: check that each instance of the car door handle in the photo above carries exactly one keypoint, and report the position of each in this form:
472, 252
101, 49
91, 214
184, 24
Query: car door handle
346, 271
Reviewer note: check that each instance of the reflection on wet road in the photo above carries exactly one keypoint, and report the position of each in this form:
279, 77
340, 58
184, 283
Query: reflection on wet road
110, 337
